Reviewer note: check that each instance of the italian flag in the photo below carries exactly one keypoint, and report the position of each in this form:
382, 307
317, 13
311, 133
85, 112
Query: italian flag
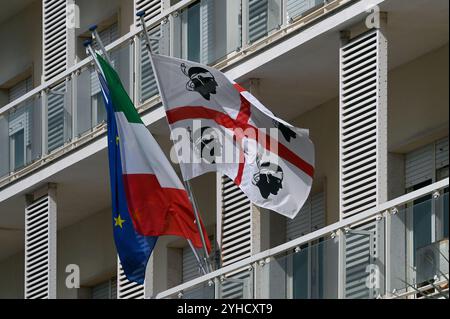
157, 201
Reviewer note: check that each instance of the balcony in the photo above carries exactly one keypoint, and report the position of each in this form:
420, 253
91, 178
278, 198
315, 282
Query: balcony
397, 250
65, 113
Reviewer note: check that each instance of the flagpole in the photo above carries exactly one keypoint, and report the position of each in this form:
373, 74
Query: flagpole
88, 44
187, 184
97, 38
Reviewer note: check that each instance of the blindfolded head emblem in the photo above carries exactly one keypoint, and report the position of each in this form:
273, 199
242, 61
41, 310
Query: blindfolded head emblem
200, 81
268, 179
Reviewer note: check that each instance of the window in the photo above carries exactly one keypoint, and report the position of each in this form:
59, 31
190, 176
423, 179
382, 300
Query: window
105, 290
20, 89
428, 218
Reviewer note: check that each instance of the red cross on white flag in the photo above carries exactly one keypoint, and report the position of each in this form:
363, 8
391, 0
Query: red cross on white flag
218, 126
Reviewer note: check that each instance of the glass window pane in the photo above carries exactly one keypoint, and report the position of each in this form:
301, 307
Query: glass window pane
19, 147
193, 41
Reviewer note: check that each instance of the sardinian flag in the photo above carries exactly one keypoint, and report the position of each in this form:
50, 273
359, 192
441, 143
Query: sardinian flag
217, 125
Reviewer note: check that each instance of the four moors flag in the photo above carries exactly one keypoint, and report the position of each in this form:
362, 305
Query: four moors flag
148, 198
218, 126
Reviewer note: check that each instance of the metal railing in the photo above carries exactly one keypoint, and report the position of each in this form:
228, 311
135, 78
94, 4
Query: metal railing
260, 275
65, 112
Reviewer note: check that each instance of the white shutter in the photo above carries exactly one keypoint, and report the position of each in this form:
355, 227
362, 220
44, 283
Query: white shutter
108, 35
105, 290
147, 81
318, 211
56, 116
20, 89
257, 19
301, 224
208, 38
419, 166
362, 123
151, 7
190, 266
296, 8
147, 84
127, 289
362, 150
310, 218
441, 153
40, 249
58, 51
236, 241
361, 252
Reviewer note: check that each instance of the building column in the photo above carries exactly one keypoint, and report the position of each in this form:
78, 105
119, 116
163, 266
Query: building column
40, 244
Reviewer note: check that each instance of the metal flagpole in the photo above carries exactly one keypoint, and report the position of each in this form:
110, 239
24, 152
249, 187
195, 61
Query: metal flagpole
141, 15
90, 51
97, 38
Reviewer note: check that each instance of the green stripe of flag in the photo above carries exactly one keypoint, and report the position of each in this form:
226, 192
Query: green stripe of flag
120, 99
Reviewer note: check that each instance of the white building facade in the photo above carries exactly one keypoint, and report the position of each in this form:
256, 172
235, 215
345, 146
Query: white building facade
368, 78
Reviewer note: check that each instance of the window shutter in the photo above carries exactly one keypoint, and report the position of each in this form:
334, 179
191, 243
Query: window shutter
40, 249
57, 117
20, 89
58, 51
257, 19
147, 83
296, 8
442, 153
151, 7
419, 166
127, 289
361, 252
190, 265
236, 241
108, 36
362, 150
105, 290
236, 238
310, 218
362, 123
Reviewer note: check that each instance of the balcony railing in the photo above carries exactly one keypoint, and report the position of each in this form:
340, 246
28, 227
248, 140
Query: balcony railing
397, 250
67, 111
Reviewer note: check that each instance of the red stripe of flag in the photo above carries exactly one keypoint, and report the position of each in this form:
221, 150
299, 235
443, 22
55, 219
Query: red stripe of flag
199, 112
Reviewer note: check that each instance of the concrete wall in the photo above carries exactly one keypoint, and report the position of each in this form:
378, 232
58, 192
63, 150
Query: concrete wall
90, 245
418, 101
12, 277
22, 44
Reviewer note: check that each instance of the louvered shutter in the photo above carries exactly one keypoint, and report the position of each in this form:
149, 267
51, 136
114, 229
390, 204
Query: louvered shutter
296, 8
361, 252
363, 150
20, 89
310, 218
362, 136
58, 120
236, 241
127, 289
236, 238
419, 166
58, 40
40, 249
257, 19
105, 290
151, 7
146, 82
190, 265
441, 153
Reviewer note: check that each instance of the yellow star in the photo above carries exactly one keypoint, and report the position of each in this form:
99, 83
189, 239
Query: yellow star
119, 221
117, 140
